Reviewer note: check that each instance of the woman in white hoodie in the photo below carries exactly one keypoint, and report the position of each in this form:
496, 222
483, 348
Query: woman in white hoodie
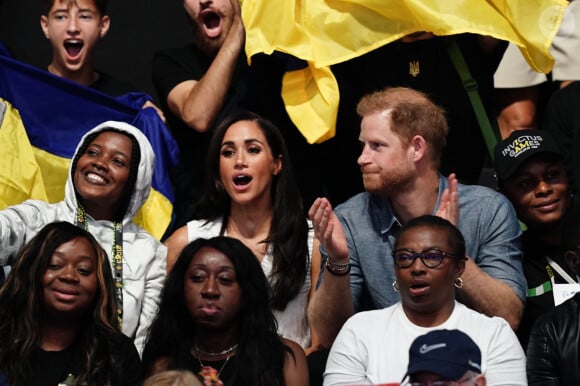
109, 181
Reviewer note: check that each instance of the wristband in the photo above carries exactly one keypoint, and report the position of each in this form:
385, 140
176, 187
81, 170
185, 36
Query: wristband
337, 269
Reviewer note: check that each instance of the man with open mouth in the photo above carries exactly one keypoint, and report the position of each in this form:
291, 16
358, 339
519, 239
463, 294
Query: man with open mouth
198, 85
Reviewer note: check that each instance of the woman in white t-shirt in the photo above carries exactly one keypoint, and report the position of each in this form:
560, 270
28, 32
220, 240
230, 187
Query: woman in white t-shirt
429, 260
251, 195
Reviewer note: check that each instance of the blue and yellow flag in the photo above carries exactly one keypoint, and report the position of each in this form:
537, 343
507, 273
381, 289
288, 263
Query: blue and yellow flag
43, 117
326, 32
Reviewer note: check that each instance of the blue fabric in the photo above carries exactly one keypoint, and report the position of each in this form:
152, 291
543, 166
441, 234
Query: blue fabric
57, 112
3, 380
487, 221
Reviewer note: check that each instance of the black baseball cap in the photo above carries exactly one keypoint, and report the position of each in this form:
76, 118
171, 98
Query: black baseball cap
513, 151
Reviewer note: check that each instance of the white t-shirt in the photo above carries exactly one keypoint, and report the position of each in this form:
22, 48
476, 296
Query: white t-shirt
373, 347
293, 321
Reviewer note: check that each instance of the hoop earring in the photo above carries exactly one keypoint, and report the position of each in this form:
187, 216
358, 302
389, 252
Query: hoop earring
458, 283
396, 286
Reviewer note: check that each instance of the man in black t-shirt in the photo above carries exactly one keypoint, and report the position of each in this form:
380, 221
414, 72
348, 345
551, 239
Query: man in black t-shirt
198, 85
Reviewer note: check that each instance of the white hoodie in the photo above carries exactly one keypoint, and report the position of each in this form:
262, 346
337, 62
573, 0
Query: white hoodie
144, 257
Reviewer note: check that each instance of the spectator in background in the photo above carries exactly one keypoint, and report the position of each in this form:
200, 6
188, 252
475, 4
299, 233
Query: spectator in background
403, 135
74, 27
58, 315
554, 347
448, 357
519, 89
531, 173
198, 85
562, 121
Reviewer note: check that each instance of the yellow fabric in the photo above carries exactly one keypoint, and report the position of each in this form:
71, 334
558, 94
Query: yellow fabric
308, 94
55, 172
155, 215
20, 175
325, 32
27, 172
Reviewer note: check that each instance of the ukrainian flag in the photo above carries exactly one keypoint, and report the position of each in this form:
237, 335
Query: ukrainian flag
42, 119
326, 32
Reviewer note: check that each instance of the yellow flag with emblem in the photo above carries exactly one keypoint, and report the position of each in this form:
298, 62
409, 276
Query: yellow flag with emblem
326, 32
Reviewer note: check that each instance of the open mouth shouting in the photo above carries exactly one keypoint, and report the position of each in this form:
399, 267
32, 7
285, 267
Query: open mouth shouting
212, 23
73, 48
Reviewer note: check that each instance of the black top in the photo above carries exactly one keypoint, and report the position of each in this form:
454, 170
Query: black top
170, 68
537, 272
553, 355
111, 86
52, 368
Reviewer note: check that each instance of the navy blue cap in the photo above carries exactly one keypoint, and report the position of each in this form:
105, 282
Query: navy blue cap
447, 353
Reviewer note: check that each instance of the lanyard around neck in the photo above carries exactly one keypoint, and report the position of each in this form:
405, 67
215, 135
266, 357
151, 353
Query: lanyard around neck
560, 270
117, 256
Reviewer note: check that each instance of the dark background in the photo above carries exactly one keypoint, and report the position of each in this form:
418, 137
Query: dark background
138, 29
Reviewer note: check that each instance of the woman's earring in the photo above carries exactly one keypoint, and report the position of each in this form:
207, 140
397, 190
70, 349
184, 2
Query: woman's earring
458, 283
396, 286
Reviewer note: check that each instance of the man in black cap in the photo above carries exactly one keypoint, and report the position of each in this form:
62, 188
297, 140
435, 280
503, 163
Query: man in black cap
532, 174
445, 358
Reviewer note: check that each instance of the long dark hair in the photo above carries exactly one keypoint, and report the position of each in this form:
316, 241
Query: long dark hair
21, 299
260, 353
133, 168
289, 230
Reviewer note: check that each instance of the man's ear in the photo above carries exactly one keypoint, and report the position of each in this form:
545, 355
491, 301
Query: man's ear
44, 25
480, 380
572, 260
419, 146
105, 24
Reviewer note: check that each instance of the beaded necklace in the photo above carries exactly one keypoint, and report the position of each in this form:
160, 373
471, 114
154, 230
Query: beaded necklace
117, 256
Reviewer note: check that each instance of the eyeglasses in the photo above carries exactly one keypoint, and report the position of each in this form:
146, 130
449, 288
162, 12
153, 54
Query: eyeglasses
431, 257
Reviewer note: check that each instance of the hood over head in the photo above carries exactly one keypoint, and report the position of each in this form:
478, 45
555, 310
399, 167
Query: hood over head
144, 169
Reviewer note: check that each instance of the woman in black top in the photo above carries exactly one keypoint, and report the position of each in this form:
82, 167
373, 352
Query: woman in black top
215, 320
58, 320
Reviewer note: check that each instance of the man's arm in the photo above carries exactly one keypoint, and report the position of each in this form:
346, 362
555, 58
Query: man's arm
499, 253
489, 295
198, 102
331, 304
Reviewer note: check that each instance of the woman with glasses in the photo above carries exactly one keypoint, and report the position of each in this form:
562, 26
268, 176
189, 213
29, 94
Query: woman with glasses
429, 259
